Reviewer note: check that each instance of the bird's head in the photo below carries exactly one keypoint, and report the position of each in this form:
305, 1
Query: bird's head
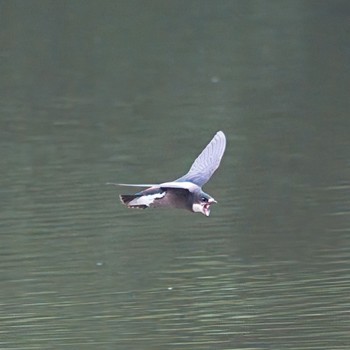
202, 202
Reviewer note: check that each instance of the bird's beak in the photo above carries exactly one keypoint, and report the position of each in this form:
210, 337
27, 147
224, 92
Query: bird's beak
206, 207
206, 210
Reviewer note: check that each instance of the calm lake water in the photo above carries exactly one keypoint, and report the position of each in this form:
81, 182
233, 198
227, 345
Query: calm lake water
131, 91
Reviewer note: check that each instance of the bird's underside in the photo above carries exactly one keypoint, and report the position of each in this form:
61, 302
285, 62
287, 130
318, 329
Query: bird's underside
158, 198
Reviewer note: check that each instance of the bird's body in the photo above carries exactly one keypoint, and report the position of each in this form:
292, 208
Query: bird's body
162, 197
185, 192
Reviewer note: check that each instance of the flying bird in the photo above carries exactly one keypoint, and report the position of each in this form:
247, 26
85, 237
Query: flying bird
185, 192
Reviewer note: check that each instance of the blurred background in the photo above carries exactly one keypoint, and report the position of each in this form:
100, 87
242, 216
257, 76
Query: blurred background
131, 91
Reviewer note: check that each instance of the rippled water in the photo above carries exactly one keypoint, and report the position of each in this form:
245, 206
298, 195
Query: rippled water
132, 92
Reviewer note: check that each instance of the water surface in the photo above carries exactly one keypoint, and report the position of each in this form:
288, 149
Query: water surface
131, 92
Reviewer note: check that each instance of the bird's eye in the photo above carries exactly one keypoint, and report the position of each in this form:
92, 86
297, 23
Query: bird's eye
203, 199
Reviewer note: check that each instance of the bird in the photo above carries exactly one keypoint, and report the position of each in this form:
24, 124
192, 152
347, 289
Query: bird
185, 192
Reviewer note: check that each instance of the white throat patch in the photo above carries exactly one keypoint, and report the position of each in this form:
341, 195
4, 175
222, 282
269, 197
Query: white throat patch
200, 208
197, 208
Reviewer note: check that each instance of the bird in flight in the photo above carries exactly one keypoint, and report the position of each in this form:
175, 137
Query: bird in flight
185, 192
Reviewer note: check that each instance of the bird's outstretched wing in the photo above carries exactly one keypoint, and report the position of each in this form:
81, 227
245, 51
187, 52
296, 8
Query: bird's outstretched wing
171, 184
207, 162
132, 185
